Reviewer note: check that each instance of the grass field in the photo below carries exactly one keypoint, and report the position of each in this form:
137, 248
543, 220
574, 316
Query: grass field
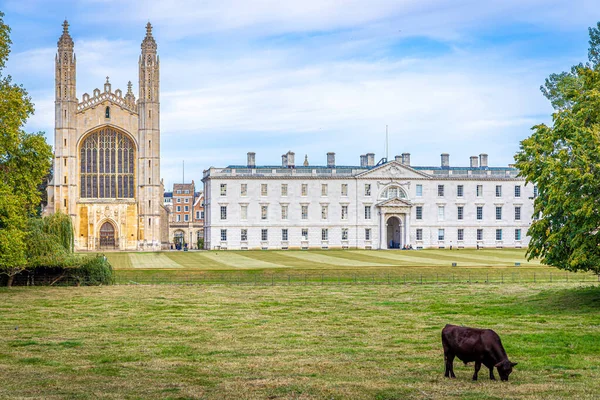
296, 342
328, 266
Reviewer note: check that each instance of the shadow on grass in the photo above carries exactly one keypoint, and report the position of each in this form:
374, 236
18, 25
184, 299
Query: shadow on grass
580, 300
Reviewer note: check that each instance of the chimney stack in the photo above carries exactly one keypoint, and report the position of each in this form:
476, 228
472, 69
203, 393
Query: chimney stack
398, 158
284, 160
474, 161
251, 159
483, 160
406, 158
445, 160
370, 159
291, 163
363, 161
330, 160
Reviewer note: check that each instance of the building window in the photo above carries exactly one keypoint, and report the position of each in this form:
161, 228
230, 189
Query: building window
186, 208
440, 190
419, 234
244, 190
461, 234
419, 190
498, 190
223, 235
344, 233
263, 189
264, 235
284, 189
284, 212
178, 208
304, 190
187, 191
479, 190
440, 213
324, 234
197, 214
480, 234
517, 190
344, 189
223, 212
441, 234
517, 234
324, 189
177, 217
419, 212
461, 212
179, 200
223, 189
244, 235
304, 234
107, 165
498, 234
186, 217
517, 213
367, 234
244, 212
187, 201
304, 212
367, 189
201, 214
284, 235
535, 192
460, 191
178, 191
479, 212
264, 212
344, 212
324, 212
367, 212
498, 213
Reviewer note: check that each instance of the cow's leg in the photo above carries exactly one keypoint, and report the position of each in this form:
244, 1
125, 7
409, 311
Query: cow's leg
449, 357
477, 367
492, 377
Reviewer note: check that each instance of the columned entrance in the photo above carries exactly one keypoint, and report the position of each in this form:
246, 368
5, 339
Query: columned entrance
107, 236
179, 239
394, 236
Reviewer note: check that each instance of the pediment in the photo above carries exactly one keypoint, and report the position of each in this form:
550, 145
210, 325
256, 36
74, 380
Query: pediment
393, 170
395, 202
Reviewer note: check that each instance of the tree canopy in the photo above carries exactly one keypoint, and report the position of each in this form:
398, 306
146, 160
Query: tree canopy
563, 161
25, 160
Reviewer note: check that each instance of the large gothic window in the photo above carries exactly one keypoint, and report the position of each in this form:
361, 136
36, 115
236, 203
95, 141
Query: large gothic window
107, 159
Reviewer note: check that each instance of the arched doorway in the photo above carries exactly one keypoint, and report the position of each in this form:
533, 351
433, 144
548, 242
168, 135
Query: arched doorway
107, 236
394, 240
179, 239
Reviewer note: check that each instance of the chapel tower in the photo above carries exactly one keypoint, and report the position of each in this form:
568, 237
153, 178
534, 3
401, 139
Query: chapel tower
106, 173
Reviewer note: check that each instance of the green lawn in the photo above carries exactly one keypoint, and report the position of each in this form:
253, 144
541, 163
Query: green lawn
296, 342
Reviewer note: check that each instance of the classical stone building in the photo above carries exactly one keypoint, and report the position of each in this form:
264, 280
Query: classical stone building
385, 205
107, 156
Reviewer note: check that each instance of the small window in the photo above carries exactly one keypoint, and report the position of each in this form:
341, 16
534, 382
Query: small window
186, 208
517, 190
244, 212
419, 190
223, 212
517, 213
344, 212
244, 235
461, 234
479, 212
367, 212
480, 234
178, 208
367, 189
264, 235
419, 212
325, 234
440, 190
498, 234
178, 218
498, 190
304, 190
264, 212
284, 212
344, 233
284, 189
460, 191
517, 234
284, 235
441, 234
107, 112
223, 189
324, 212
479, 190
223, 235
304, 234
441, 213
419, 234
324, 189
461, 212
498, 213
367, 234
244, 189
263, 189
186, 217
344, 189
304, 212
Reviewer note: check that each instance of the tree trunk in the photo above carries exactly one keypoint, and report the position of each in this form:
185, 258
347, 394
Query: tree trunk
11, 278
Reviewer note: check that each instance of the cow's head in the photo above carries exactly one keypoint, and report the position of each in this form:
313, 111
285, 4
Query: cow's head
505, 367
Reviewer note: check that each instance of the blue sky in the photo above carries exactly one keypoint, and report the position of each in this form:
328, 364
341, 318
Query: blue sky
314, 76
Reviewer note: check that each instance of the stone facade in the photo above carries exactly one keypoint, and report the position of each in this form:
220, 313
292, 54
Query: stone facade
107, 156
388, 205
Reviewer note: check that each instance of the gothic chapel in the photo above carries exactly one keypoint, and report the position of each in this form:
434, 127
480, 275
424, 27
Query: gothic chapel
107, 156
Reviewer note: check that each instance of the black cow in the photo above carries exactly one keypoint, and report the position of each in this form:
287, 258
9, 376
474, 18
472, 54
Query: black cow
471, 344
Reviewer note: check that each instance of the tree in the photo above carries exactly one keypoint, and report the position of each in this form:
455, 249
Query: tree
563, 161
25, 160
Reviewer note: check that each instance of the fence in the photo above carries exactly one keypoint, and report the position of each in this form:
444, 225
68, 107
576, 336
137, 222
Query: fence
344, 278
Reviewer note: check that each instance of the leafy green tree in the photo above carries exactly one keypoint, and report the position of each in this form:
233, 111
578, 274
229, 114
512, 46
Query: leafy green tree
563, 161
25, 160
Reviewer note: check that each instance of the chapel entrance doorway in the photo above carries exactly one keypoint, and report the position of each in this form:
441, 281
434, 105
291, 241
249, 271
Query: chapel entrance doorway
394, 240
107, 236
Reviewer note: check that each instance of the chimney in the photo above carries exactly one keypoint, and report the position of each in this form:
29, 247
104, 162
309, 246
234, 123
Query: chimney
398, 158
251, 159
284, 160
406, 158
445, 160
474, 161
291, 163
330, 160
483, 160
370, 159
363, 161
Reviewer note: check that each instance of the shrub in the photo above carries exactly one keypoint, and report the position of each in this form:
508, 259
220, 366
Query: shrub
94, 270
